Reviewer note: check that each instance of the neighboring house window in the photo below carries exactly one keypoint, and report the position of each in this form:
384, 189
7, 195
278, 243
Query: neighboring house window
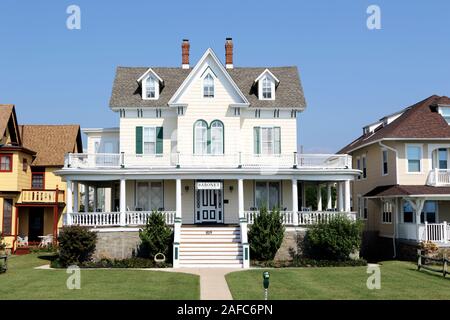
7, 217
364, 167
267, 140
365, 208
442, 158
149, 196
208, 86
358, 166
37, 180
266, 88
200, 137
445, 112
387, 213
5, 162
408, 212
385, 162
150, 88
267, 194
217, 137
429, 210
149, 140
24, 165
413, 154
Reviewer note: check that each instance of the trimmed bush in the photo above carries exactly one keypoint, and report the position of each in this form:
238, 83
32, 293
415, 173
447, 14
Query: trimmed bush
156, 237
76, 245
334, 240
266, 235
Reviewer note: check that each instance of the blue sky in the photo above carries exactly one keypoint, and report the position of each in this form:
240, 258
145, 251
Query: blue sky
351, 75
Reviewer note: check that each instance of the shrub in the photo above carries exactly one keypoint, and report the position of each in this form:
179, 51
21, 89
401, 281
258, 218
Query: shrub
76, 245
2, 243
309, 263
156, 237
266, 235
333, 240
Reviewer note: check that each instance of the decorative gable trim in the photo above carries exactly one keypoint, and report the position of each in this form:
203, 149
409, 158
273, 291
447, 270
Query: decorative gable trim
267, 71
209, 52
150, 70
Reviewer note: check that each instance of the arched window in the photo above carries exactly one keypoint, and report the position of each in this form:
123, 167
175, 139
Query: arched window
150, 88
208, 86
266, 88
217, 137
200, 137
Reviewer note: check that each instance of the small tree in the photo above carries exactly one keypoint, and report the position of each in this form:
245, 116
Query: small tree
266, 235
76, 245
333, 240
156, 237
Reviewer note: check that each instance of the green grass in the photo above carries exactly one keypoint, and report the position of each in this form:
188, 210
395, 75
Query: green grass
399, 280
22, 281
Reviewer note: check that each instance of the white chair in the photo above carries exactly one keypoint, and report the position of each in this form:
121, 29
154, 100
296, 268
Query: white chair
22, 241
47, 240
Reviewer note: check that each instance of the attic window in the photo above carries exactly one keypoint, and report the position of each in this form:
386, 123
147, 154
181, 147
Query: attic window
445, 113
208, 86
150, 88
266, 88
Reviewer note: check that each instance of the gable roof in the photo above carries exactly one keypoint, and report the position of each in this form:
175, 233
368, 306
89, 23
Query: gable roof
152, 72
268, 72
51, 142
126, 91
419, 121
8, 119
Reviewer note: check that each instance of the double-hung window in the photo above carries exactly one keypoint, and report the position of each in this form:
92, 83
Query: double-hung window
428, 211
5, 162
386, 215
267, 140
358, 166
208, 86
364, 166
408, 212
7, 217
442, 158
150, 88
149, 140
384, 158
200, 137
414, 154
37, 180
216, 137
267, 194
266, 88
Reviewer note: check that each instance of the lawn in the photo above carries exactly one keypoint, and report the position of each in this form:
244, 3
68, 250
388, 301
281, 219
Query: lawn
399, 280
22, 281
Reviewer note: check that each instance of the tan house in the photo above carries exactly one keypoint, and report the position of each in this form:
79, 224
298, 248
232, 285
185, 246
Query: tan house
403, 192
31, 196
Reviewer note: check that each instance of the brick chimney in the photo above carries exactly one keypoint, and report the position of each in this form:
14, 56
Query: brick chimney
229, 53
185, 54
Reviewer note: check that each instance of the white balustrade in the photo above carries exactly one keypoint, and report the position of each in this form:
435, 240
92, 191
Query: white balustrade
93, 160
439, 177
141, 217
111, 219
304, 217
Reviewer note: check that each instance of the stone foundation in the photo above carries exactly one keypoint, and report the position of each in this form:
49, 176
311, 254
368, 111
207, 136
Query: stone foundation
116, 244
290, 245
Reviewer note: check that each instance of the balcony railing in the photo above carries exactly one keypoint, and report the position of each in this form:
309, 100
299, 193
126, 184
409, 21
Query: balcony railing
439, 178
304, 218
41, 196
233, 160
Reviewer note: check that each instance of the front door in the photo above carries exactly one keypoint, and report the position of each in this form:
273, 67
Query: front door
35, 224
209, 206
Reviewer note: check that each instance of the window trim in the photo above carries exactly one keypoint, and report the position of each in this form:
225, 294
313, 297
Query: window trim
383, 150
10, 156
208, 137
420, 145
144, 88
272, 87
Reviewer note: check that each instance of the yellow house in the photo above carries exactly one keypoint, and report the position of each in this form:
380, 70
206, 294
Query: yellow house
31, 196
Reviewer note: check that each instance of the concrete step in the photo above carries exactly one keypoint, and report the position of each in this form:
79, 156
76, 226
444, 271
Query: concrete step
210, 262
215, 265
210, 240
210, 249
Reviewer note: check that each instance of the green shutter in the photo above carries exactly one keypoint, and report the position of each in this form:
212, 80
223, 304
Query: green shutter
159, 140
138, 140
277, 140
256, 141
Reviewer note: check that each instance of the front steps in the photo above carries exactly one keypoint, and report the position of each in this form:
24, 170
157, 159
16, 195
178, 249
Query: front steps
211, 247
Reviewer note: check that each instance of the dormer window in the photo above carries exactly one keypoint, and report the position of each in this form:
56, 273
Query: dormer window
445, 113
150, 88
208, 86
266, 88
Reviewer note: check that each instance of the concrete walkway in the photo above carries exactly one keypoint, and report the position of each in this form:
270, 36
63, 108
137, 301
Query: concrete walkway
213, 285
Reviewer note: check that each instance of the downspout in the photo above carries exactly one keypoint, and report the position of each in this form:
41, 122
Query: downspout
396, 201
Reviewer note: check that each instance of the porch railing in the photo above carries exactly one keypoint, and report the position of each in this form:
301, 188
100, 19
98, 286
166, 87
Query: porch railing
231, 160
304, 218
439, 177
141, 217
434, 232
113, 219
41, 196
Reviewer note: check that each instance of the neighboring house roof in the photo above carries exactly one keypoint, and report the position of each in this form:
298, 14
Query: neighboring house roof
51, 142
408, 190
127, 93
8, 118
419, 121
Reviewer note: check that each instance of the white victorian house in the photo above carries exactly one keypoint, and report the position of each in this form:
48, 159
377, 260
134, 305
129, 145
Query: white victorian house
208, 146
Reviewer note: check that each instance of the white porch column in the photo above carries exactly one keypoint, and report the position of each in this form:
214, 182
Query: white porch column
347, 196
295, 202
123, 201
95, 200
69, 202
340, 197
243, 224
177, 225
86, 197
319, 197
76, 202
329, 197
